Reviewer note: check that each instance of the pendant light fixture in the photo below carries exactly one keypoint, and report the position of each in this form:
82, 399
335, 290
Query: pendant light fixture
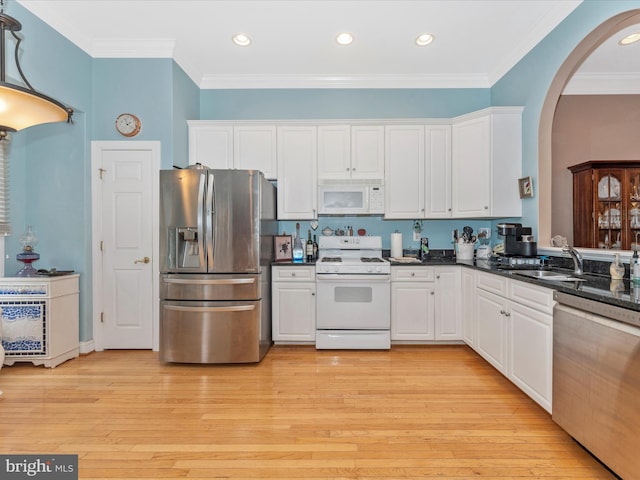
22, 107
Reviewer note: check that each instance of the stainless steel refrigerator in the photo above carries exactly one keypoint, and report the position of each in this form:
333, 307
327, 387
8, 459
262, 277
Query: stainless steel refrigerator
216, 247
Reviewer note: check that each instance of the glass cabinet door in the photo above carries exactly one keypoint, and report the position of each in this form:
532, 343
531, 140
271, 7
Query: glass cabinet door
633, 216
609, 208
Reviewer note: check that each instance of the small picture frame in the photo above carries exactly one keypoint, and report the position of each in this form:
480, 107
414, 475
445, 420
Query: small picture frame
526, 187
282, 246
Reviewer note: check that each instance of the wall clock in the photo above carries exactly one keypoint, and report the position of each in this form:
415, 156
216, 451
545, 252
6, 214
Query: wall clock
128, 124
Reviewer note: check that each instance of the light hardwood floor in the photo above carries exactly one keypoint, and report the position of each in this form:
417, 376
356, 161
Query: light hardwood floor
412, 412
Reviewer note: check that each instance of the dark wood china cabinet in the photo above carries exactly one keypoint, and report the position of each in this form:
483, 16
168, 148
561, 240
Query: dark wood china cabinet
606, 204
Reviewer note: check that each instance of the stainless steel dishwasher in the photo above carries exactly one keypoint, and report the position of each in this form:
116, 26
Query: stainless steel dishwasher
596, 379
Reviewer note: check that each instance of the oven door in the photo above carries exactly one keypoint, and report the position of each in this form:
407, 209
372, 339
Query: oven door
353, 302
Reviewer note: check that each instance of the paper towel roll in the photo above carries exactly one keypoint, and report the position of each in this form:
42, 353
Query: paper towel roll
396, 245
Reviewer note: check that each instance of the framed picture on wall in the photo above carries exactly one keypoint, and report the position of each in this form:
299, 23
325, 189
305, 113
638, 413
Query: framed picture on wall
526, 187
282, 246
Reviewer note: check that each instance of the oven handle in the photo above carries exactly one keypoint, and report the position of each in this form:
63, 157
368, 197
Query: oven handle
346, 277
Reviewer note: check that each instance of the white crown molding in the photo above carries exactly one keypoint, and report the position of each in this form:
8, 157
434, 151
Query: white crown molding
133, 48
342, 81
603, 84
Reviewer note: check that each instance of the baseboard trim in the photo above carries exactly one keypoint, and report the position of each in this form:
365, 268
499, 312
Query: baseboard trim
87, 347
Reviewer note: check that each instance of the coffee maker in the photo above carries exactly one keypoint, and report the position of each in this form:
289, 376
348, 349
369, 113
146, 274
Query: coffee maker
518, 240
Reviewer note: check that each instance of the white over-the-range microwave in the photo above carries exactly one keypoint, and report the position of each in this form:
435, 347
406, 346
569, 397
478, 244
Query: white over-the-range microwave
351, 197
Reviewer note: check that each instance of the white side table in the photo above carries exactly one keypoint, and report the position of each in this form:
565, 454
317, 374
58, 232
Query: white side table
40, 319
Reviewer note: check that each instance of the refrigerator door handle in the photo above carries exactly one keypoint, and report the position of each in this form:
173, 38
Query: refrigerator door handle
208, 281
236, 308
210, 209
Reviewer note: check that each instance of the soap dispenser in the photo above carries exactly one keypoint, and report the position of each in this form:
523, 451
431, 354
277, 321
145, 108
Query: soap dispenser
616, 269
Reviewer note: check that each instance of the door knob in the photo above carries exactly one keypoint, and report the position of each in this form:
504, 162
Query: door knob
144, 260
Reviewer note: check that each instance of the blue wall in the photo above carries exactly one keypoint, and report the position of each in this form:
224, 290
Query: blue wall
50, 174
282, 104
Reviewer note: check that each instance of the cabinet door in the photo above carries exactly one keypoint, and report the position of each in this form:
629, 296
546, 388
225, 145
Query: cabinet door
448, 308
297, 184
632, 190
491, 339
468, 292
334, 152
294, 311
412, 311
530, 351
471, 168
255, 149
367, 152
404, 171
211, 145
438, 171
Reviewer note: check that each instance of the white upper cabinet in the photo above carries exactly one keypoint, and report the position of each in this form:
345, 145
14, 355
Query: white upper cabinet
254, 148
210, 144
350, 152
297, 181
229, 146
367, 152
486, 163
404, 171
438, 171
334, 151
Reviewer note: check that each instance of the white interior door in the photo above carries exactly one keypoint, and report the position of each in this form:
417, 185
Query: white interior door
125, 244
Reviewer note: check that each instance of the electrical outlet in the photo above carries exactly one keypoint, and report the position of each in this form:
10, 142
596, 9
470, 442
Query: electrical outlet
416, 236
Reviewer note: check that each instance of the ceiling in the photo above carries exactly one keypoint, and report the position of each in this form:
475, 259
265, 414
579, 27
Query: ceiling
293, 41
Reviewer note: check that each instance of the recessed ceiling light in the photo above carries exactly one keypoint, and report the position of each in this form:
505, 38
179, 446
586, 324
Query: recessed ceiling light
344, 39
424, 39
629, 39
241, 40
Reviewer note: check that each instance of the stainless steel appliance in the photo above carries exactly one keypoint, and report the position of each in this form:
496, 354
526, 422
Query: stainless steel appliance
353, 288
596, 379
216, 246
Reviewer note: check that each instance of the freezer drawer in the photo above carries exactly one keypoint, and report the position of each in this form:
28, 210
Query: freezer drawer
212, 332
209, 287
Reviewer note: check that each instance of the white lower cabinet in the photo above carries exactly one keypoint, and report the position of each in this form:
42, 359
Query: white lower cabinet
412, 303
293, 304
468, 305
448, 308
514, 332
425, 303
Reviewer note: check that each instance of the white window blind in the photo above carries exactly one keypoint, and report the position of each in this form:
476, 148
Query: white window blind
5, 227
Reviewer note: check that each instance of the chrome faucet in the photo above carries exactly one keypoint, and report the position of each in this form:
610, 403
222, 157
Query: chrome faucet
577, 259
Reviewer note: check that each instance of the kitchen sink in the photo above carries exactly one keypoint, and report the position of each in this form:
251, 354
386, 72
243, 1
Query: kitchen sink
548, 275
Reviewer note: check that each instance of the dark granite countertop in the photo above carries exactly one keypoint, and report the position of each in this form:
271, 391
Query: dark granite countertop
595, 286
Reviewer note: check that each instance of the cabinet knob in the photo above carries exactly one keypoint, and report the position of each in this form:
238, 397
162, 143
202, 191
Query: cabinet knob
432, 293
486, 207
507, 314
413, 274
502, 312
293, 274
313, 294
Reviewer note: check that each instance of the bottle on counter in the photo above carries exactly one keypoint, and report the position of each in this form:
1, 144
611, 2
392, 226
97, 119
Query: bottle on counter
309, 248
616, 270
315, 248
634, 267
298, 250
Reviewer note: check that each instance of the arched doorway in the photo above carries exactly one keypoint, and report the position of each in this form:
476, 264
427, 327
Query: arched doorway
565, 72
